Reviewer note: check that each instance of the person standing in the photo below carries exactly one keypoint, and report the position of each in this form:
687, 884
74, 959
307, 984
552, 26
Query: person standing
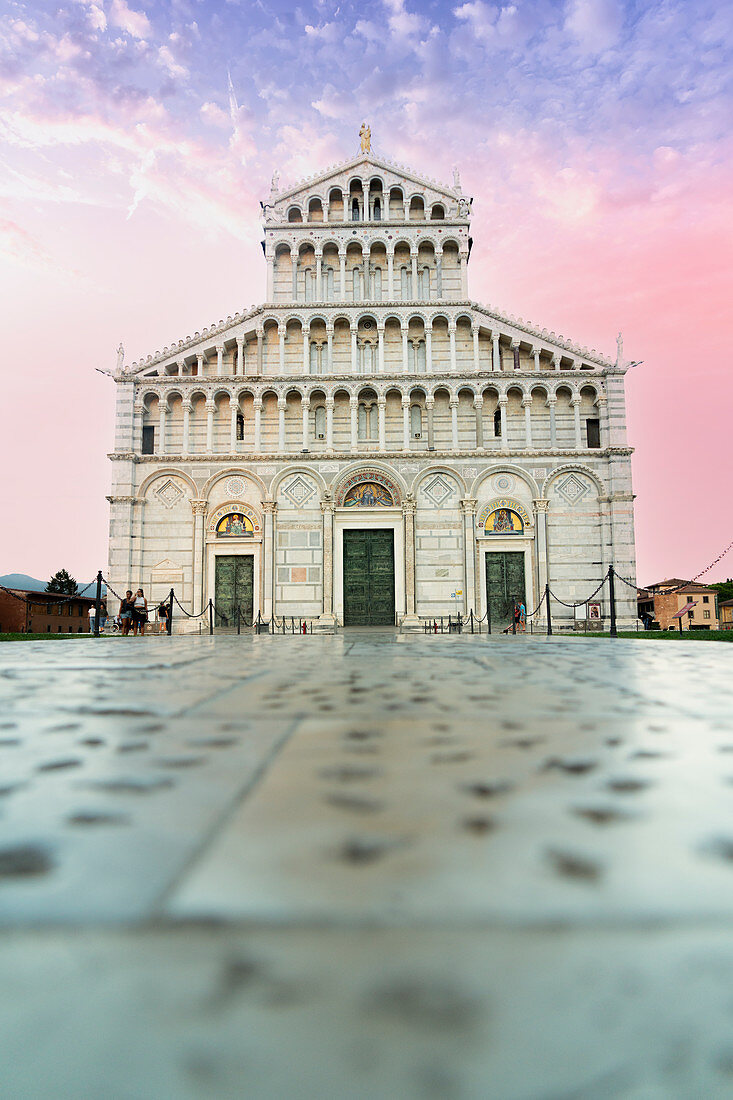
92, 617
127, 607
522, 623
162, 618
140, 612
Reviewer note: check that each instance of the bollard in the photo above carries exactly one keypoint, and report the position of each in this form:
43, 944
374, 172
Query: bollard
211, 617
514, 617
471, 618
98, 604
239, 620
170, 614
547, 604
488, 615
612, 599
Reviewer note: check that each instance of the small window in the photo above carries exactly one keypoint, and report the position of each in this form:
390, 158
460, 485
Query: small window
148, 439
377, 210
706, 599
416, 422
690, 614
593, 433
706, 614
355, 210
320, 422
497, 423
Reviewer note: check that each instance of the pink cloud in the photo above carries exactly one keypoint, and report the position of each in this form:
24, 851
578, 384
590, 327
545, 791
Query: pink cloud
135, 23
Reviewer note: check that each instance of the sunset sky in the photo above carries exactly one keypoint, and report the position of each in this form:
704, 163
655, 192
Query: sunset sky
137, 142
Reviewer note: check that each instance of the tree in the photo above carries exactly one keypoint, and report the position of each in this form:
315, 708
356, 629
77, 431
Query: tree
62, 582
724, 589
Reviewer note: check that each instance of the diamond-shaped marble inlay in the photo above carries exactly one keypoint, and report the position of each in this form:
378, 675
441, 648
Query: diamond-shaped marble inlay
299, 491
235, 486
169, 493
573, 488
439, 489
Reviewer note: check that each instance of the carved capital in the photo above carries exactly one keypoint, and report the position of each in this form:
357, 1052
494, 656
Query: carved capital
540, 504
210, 405
219, 349
527, 401
200, 357
327, 507
257, 402
575, 401
269, 507
429, 402
503, 401
515, 343
409, 507
405, 401
329, 402
240, 341
551, 400
495, 337
468, 506
453, 403
198, 507
282, 402
478, 402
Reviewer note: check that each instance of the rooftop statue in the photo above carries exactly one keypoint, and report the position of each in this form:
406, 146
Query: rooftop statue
619, 349
366, 138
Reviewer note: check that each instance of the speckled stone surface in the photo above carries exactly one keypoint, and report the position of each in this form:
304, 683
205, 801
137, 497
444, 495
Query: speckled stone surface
366, 865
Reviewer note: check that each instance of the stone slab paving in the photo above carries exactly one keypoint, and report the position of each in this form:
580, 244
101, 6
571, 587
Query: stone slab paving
366, 865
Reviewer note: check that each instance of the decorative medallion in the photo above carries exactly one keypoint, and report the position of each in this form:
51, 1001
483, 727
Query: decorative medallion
235, 486
572, 488
503, 517
504, 483
169, 493
299, 491
439, 490
375, 481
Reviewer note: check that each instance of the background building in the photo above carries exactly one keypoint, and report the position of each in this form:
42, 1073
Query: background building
664, 600
371, 444
43, 612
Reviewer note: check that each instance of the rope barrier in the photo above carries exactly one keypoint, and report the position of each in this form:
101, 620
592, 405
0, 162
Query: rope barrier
580, 602
679, 587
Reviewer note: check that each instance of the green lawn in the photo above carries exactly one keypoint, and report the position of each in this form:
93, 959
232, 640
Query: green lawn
661, 635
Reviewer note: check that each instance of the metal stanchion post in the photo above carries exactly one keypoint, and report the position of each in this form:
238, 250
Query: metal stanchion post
488, 615
547, 606
612, 598
239, 620
211, 616
98, 604
170, 614
514, 617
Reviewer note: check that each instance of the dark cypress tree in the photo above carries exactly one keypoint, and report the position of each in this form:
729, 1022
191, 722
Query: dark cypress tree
62, 582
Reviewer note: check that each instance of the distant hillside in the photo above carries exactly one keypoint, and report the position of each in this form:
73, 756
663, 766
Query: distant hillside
32, 584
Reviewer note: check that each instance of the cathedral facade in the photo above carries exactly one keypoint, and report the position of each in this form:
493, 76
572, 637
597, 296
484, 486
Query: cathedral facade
371, 446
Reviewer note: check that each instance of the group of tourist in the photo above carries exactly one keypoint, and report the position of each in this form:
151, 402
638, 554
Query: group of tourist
134, 612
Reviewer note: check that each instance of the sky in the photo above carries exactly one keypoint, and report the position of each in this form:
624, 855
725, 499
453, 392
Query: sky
136, 141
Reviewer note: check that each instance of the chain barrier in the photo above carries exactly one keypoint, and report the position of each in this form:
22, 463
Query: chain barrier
580, 602
37, 597
680, 587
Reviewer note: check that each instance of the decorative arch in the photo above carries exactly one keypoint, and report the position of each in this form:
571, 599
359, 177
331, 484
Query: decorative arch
432, 471
574, 468
291, 471
234, 519
379, 489
503, 516
234, 471
167, 472
506, 468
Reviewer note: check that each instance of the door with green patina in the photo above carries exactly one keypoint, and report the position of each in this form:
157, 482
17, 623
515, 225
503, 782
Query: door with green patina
369, 578
234, 588
504, 585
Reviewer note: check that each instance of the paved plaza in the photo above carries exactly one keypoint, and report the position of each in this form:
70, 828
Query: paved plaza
366, 866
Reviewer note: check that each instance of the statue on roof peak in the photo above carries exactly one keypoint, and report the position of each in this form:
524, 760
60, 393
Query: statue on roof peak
366, 138
456, 179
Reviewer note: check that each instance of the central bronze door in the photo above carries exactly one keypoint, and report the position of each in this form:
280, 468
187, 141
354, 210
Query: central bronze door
369, 578
234, 588
504, 585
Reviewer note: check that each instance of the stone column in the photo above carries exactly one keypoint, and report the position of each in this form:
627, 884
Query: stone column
354, 349
463, 256
186, 427
406, 423
327, 621
478, 404
406, 209
410, 622
257, 443
536, 356
198, 508
476, 360
233, 409
210, 410
381, 405
200, 365
282, 332
219, 360
603, 428
270, 260
429, 348
452, 338
453, 403
439, 275
240, 355
540, 506
468, 509
306, 350
495, 352
295, 265
405, 350
380, 352
269, 508
503, 399
319, 276
259, 351
329, 423
281, 405
527, 406
354, 409
575, 402
342, 276
329, 349
556, 361
390, 276
552, 401
306, 421
515, 354
413, 260
429, 405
